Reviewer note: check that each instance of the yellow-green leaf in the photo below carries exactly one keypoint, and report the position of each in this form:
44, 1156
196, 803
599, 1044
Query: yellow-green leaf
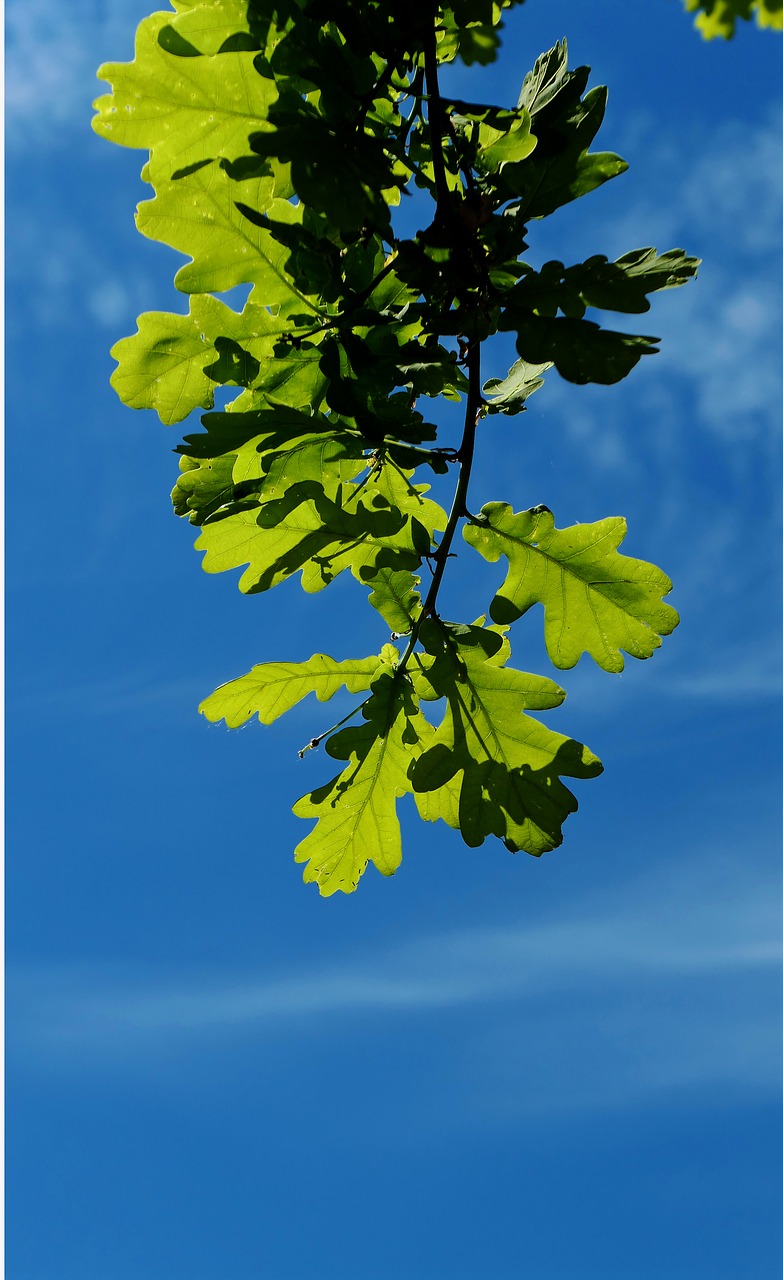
272, 688
357, 811
595, 600
183, 110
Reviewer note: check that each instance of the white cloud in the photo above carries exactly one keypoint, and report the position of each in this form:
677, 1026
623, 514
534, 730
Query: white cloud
720, 334
108, 303
52, 53
61, 277
736, 185
638, 981
723, 180
724, 339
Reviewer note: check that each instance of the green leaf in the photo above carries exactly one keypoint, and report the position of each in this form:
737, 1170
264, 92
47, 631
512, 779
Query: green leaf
509, 394
561, 168
264, 466
271, 465
163, 365
272, 688
505, 146
343, 174
357, 811
623, 285
386, 523
203, 488
183, 110
209, 26
549, 80
395, 597
769, 13
595, 600
250, 418
612, 286
490, 769
428, 370
581, 350
205, 223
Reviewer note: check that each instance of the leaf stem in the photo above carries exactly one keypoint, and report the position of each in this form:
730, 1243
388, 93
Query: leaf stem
316, 742
437, 124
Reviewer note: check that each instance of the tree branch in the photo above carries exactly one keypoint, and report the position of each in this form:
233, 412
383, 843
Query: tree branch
459, 508
437, 123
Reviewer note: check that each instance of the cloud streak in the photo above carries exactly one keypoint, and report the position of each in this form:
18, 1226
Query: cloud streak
657, 936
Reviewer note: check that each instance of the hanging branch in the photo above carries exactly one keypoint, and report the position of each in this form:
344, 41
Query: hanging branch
317, 468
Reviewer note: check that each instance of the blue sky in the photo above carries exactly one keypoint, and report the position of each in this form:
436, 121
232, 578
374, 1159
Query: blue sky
489, 1067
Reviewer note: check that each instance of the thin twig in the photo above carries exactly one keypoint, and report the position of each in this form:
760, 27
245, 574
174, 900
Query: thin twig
459, 508
316, 742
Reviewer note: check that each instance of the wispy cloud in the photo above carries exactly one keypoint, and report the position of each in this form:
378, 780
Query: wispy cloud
724, 341
662, 952
734, 185
53, 51
61, 277
720, 335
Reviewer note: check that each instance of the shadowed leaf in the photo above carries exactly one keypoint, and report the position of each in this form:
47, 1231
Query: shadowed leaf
491, 769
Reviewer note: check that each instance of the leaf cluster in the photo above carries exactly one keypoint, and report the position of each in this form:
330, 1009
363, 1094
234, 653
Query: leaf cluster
720, 17
282, 137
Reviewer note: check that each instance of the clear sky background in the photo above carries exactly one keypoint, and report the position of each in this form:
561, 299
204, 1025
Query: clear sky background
489, 1067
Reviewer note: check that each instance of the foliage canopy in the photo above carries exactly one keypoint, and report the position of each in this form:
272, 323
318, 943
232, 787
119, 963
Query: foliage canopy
283, 137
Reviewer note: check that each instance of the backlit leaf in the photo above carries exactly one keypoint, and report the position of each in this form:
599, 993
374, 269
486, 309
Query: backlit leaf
387, 523
204, 222
163, 366
509, 394
595, 600
183, 110
395, 597
357, 811
272, 688
719, 17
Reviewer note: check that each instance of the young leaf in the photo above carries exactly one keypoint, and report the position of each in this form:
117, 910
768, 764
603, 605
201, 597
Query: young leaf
498, 147
595, 600
272, 688
395, 597
509, 394
225, 247
357, 811
208, 27
561, 168
206, 485
163, 366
